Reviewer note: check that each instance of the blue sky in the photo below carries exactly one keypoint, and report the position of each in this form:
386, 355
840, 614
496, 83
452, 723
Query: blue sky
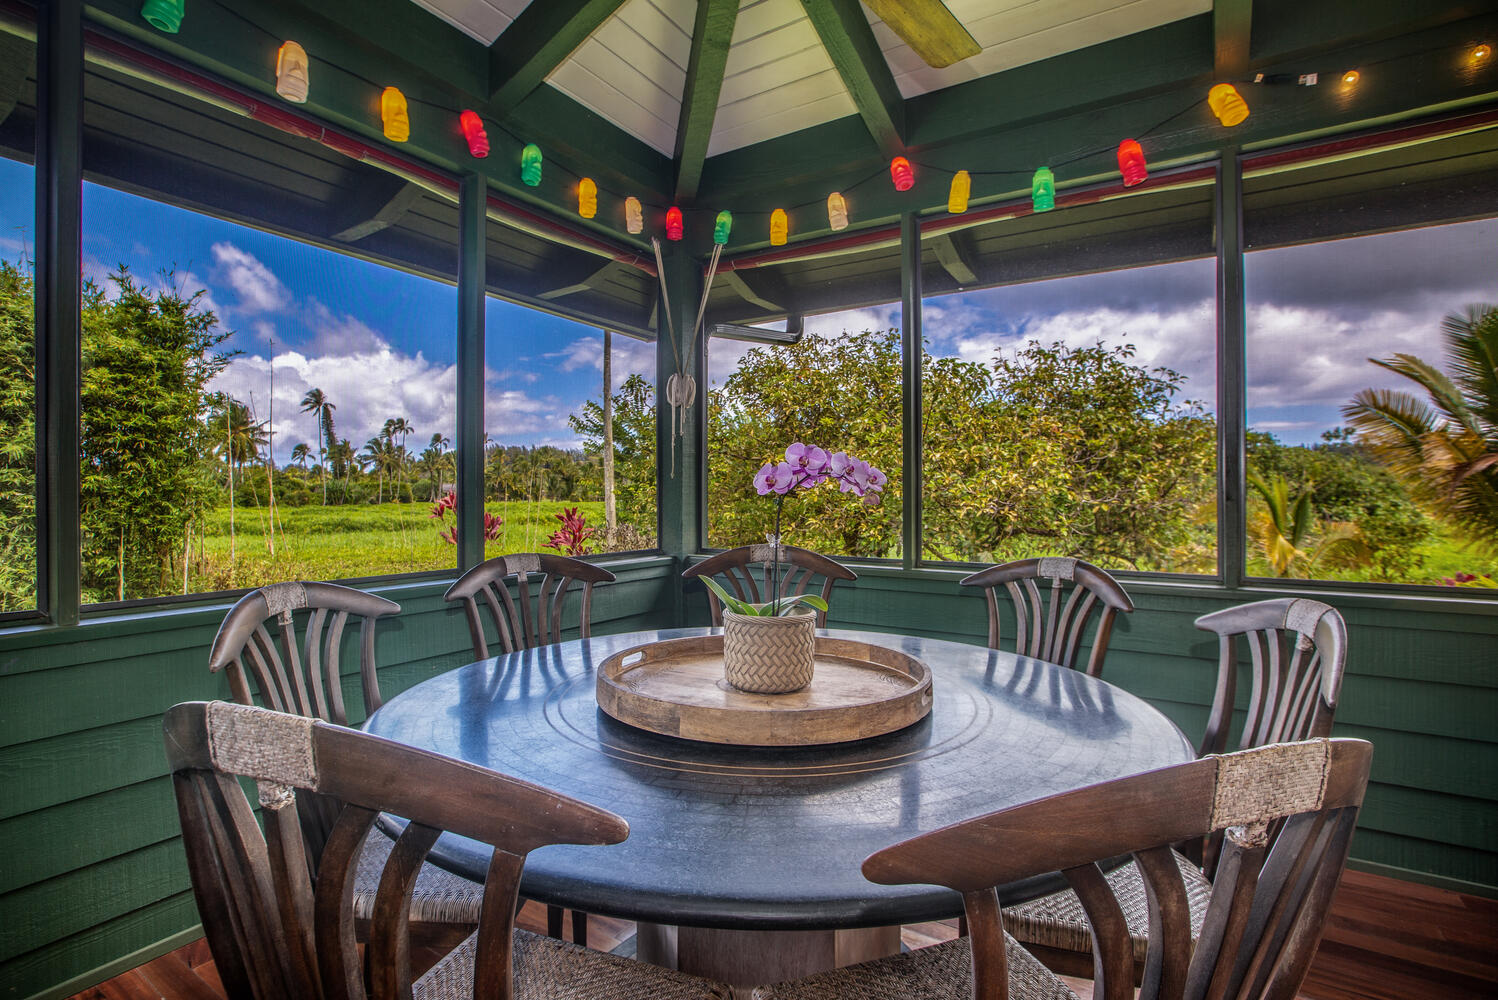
380, 343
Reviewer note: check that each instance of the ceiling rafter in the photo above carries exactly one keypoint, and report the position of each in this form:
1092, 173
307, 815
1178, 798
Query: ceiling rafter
1232, 30
953, 253
764, 292
537, 42
711, 39
383, 201
850, 43
595, 276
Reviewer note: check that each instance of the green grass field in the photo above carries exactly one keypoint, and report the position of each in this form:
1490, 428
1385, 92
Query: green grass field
333, 543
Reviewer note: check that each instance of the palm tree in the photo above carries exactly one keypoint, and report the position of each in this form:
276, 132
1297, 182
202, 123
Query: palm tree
1445, 450
300, 454
1291, 537
316, 403
380, 454
341, 457
399, 427
434, 461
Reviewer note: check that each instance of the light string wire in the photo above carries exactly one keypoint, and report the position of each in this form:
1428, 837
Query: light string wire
926, 165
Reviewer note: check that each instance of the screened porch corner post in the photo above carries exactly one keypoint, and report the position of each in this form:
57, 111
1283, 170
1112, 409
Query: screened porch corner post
682, 459
59, 303
1232, 364
473, 196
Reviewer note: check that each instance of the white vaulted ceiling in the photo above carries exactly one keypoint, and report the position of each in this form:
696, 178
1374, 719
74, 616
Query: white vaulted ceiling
779, 79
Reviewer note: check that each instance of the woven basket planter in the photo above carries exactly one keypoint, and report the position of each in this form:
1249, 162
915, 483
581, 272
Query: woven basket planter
769, 655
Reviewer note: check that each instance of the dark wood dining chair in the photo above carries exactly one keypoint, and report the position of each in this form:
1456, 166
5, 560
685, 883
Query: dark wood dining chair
1267, 907
747, 573
277, 931
525, 620
1050, 626
287, 638
1297, 651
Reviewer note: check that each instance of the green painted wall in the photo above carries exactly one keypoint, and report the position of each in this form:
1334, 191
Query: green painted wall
91, 868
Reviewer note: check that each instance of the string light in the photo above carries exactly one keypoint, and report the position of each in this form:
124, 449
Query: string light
1479, 55
1043, 190
164, 15
780, 226
587, 198
292, 76
673, 224
962, 187
1131, 163
722, 227
634, 217
473, 131
1350, 78
1227, 104
837, 211
530, 164
901, 173
393, 114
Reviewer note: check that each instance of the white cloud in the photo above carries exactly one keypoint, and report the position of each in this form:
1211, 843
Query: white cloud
335, 333
257, 287
366, 388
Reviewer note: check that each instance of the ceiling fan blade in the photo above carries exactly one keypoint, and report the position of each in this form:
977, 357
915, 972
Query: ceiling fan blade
928, 28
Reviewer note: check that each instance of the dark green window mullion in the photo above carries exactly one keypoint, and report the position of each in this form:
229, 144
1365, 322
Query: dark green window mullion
59, 265
910, 389
681, 483
473, 196
1232, 393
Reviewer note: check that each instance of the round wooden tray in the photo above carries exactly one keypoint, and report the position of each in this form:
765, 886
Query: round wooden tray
676, 688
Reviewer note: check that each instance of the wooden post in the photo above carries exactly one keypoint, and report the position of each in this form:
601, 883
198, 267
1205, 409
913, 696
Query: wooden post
911, 349
59, 304
473, 195
1232, 391
610, 502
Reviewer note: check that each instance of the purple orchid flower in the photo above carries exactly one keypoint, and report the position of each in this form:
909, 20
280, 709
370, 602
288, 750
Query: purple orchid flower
809, 463
778, 479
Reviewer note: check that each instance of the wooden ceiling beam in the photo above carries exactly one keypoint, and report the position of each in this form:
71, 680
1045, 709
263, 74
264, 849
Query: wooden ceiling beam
855, 53
762, 296
1232, 30
953, 252
711, 38
383, 200
537, 42
594, 276
17, 62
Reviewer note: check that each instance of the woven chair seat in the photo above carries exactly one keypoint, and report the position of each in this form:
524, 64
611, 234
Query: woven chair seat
547, 969
439, 897
1058, 921
940, 972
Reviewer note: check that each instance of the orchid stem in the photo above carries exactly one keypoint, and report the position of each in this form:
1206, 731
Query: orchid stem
775, 573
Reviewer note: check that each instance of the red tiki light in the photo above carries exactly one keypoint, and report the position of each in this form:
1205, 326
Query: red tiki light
1131, 163
473, 131
673, 223
901, 173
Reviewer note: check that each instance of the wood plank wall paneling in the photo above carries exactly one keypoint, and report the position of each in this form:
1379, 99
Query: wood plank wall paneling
93, 869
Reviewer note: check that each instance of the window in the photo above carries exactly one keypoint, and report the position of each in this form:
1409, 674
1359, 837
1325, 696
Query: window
17, 318
838, 388
548, 482
1073, 415
255, 406
1361, 467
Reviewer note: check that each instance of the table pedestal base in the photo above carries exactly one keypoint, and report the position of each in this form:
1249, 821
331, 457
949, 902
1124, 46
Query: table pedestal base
749, 958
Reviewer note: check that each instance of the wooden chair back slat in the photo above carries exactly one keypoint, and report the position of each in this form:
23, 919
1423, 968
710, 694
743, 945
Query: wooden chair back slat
1051, 626
1268, 903
524, 621
1296, 673
748, 573
273, 929
288, 637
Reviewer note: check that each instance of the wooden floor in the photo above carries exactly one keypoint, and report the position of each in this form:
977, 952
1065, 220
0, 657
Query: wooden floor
1385, 940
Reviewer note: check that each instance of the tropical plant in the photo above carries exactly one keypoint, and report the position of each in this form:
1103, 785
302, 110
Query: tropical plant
1294, 541
493, 523
17, 441
300, 453
572, 537
1444, 447
380, 455
316, 402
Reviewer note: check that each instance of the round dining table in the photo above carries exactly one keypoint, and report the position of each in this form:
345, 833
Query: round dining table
729, 842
